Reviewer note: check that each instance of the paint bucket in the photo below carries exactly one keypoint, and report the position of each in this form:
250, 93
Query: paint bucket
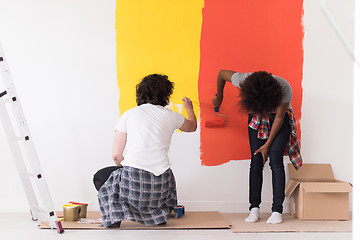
71, 212
83, 208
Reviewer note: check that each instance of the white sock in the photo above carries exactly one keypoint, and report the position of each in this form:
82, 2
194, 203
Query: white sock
254, 215
275, 218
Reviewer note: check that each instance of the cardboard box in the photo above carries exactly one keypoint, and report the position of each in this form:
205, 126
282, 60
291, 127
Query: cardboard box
316, 195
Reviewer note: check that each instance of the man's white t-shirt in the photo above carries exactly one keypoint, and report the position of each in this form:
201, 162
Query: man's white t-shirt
149, 130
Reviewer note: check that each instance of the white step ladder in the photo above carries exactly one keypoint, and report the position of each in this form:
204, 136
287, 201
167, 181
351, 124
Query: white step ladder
23, 150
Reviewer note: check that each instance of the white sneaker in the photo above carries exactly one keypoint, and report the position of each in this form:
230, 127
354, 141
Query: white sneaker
254, 215
275, 218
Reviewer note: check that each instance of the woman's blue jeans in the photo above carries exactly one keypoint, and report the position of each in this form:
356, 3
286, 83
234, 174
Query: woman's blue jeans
276, 163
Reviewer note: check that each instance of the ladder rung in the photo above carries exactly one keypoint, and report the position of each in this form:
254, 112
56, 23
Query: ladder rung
17, 139
8, 100
4, 100
26, 138
35, 175
43, 212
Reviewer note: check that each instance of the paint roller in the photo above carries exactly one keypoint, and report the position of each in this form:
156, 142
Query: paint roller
218, 122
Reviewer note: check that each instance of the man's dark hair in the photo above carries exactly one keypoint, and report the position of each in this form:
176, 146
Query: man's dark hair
260, 93
155, 89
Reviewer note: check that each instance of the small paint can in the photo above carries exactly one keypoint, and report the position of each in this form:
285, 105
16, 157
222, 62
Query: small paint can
71, 212
83, 208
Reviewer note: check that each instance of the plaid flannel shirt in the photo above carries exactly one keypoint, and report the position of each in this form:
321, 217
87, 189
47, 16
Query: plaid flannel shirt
262, 124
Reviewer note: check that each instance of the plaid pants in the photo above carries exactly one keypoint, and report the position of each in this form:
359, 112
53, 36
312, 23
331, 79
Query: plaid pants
137, 195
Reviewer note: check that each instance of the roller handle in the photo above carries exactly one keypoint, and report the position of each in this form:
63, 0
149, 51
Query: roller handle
216, 109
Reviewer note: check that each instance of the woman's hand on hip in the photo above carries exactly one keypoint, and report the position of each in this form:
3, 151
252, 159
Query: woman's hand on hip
264, 150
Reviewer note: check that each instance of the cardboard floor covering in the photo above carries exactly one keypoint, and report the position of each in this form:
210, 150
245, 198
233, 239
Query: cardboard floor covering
190, 220
289, 224
235, 222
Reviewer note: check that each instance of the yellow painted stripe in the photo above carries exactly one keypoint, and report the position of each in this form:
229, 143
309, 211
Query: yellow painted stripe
158, 36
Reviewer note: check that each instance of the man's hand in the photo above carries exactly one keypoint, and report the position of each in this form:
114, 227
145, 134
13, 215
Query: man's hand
187, 104
189, 124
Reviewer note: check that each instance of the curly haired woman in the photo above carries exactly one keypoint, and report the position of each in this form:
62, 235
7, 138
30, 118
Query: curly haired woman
266, 99
142, 187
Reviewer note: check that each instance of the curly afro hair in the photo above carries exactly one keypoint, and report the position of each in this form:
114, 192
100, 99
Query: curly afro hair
260, 93
155, 89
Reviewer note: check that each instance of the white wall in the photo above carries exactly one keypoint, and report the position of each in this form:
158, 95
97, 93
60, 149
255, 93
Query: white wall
62, 58
62, 55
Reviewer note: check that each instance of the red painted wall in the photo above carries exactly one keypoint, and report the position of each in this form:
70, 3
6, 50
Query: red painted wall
245, 36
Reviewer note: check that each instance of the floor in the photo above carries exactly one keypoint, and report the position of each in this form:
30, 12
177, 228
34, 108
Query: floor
20, 226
